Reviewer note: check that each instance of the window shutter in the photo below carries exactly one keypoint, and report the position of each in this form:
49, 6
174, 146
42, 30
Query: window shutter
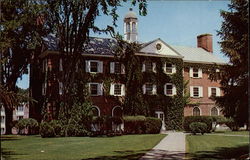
100, 67
60, 65
154, 67
191, 91
174, 90
60, 88
143, 67
200, 91
154, 89
123, 89
209, 91
87, 66
112, 67
217, 91
46, 65
144, 89
200, 73
190, 72
173, 69
122, 69
165, 89
164, 68
111, 92
100, 89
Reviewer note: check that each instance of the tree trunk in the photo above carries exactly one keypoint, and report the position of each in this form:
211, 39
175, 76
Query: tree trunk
8, 120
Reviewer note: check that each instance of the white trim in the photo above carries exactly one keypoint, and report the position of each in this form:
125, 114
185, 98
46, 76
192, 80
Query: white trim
99, 89
191, 72
114, 109
99, 66
112, 89
199, 110
200, 73
112, 67
99, 111
154, 67
200, 90
173, 89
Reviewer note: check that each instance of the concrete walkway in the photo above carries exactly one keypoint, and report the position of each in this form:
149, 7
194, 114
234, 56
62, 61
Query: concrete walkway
170, 147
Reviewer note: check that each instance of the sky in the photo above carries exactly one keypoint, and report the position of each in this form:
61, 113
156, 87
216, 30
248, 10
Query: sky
175, 22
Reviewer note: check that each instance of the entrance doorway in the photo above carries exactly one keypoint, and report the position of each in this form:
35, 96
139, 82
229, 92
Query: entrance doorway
160, 115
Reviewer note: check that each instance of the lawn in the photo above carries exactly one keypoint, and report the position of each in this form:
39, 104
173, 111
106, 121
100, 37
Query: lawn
78, 148
216, 146
233, 132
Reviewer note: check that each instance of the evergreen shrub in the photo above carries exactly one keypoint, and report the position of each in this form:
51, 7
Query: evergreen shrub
153, 125
198, 127
204, 119
46, 130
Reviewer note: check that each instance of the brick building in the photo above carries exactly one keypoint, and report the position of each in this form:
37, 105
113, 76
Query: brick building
99, 56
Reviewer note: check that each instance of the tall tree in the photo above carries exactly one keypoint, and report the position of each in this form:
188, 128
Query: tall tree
234, 44
19, 38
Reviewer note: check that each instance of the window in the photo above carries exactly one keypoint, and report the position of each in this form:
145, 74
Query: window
2, 119
149, 89
196, 91
149, 67
95, 111
196, 111
117, 89
133, 27
117, 68
169, 68
169, 89
213, 91
95, 89
94, 66
20, 108
214, 111
127, 27
195, 72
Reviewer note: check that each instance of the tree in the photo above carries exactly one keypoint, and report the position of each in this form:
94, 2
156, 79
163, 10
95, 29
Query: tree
71, 21
234, 44
20, 37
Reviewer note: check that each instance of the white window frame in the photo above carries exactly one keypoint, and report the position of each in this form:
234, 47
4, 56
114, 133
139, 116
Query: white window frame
173, 89
112, 89
218, 92
217, 111
99, 89
153, 67
173, 68
200, 91
199, 110
191, 73
154, 89
99, 66
98, 109
112, 68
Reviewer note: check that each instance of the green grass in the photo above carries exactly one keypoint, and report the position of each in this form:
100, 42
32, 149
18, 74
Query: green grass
216, 146
77, 148
233, 132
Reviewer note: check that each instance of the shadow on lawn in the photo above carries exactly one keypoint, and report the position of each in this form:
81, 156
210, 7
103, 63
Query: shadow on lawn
129, 155
7, 155
9, 138
222, 153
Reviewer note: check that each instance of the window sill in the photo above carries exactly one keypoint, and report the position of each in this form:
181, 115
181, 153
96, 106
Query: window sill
196, 77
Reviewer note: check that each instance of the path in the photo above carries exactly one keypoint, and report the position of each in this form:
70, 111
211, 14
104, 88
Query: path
170, 147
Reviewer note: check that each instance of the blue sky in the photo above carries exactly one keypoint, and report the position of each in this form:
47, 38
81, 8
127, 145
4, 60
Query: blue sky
175, 22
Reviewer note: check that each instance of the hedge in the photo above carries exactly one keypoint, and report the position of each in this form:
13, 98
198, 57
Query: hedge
153, 125
204, 119
198, 127
27, 123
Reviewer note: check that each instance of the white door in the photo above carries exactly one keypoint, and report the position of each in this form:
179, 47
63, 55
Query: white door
160, 115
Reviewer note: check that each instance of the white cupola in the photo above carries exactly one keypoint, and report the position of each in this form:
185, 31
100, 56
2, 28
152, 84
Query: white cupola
130, 26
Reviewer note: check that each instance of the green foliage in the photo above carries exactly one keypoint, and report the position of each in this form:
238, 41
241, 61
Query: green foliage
46, 130
27, 123
56, 125
204, 119
198, 127
234, 44
232, 124
218, 120
153, 125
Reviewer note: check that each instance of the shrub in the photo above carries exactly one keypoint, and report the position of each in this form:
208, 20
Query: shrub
134, 124
153, 125
198, 127
56, 125
27, 123
218, 120
46, 130
204, 119
232, 124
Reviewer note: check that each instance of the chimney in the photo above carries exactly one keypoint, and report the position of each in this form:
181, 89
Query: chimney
205, 41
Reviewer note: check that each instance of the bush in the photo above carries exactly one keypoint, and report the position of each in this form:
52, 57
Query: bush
46, 130
204, 119
27, 123
198, 127
153, 125
218, 120
134, 124
232, 124
56, 125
